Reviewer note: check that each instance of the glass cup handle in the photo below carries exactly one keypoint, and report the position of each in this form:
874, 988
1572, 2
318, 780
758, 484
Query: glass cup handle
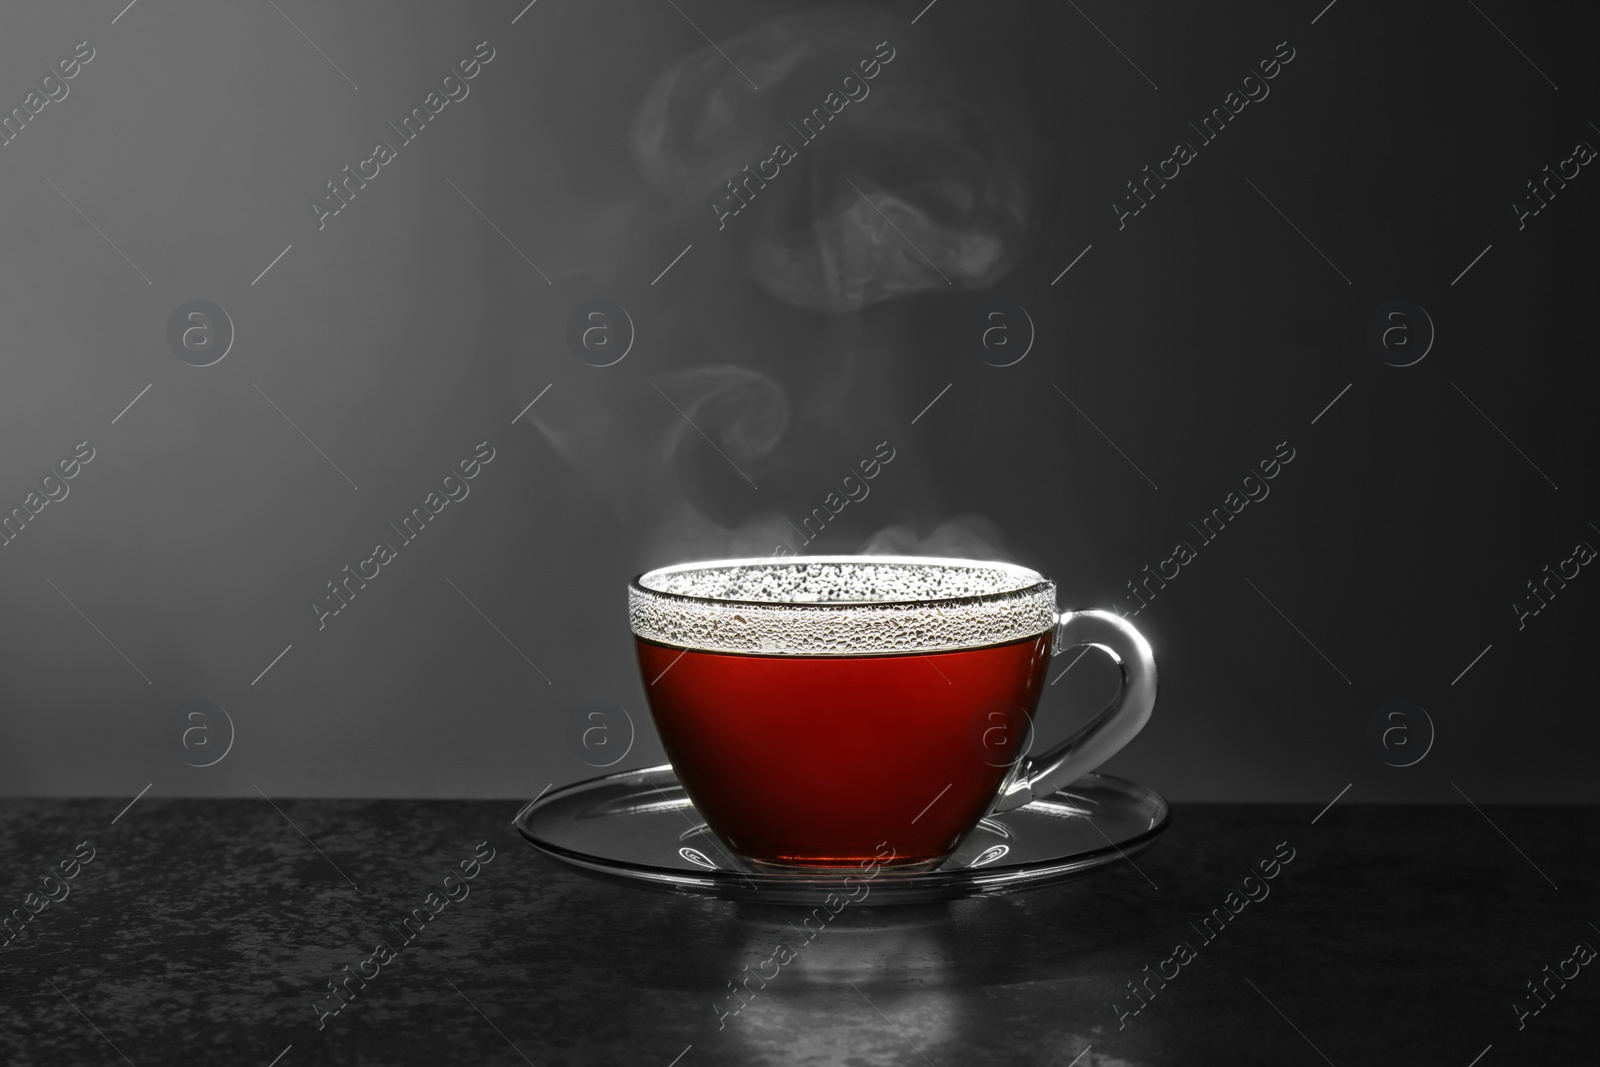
1104, 735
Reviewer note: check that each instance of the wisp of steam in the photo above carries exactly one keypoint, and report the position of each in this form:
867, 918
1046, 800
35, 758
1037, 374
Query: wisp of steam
915, 187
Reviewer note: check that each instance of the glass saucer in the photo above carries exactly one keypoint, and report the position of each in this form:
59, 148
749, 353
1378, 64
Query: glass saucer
640, 828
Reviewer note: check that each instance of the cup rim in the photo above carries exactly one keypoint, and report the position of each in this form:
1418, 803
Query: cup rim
1037, 582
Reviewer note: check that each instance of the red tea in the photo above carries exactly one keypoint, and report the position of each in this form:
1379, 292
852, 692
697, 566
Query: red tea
820, 760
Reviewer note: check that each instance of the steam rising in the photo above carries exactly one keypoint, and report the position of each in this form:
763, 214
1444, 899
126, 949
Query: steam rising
963, 537
917, 186
742, 411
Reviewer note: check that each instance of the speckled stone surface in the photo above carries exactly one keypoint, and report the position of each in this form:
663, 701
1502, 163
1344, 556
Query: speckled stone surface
204, 931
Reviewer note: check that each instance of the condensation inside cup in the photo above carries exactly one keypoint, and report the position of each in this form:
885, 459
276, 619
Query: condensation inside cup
840, 606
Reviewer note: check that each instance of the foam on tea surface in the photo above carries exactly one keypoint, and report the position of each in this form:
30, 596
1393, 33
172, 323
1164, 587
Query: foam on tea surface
842, 606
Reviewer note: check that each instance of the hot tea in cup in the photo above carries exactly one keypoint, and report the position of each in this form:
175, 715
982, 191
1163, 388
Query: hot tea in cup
818, 708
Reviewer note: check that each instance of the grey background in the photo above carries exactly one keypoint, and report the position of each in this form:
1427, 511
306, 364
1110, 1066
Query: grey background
408, 330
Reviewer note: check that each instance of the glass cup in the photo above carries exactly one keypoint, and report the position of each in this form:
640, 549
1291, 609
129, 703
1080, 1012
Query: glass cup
853, 711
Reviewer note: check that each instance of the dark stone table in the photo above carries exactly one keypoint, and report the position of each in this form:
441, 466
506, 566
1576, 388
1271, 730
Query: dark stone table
207, 932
